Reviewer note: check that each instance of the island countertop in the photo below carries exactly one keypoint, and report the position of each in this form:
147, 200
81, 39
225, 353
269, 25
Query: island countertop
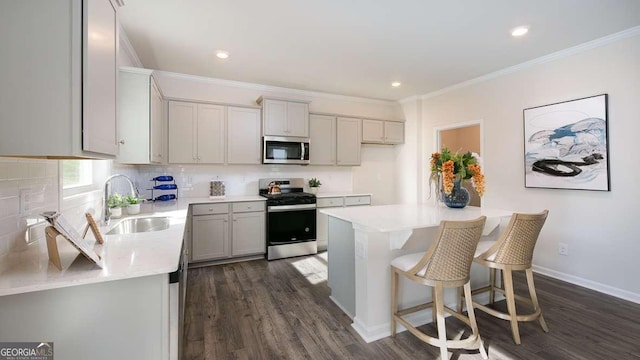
404, 217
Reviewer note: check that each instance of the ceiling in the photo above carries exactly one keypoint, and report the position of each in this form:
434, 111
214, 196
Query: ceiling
359, 47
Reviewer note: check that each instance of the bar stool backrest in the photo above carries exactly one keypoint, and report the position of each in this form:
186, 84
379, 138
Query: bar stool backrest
517, 243
453, 250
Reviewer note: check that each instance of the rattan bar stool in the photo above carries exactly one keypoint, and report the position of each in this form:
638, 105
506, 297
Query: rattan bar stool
511, 252
445, 264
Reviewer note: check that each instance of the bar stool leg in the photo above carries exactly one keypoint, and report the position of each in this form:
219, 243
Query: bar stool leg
433, 307
442, 331
472, 318
492, 284
511, 304
459, 304
534, 299
394, 300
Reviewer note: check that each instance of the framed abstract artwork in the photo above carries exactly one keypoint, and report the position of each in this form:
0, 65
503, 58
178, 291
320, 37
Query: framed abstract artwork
566, 145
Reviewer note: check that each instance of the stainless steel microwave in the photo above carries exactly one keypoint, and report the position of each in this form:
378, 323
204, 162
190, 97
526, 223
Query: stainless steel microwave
285, 150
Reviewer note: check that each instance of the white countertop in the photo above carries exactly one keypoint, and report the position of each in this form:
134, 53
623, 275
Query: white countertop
403, 217
321, 194
124, 256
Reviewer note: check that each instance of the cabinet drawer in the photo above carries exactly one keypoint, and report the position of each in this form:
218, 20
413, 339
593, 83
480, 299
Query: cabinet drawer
357, 200
207, 209
248, 206
330, 202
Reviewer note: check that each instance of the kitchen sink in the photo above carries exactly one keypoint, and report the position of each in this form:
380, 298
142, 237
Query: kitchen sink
137, 225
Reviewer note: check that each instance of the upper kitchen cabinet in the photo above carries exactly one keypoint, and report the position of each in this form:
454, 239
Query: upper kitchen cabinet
285, 118
59, 76
197, 133
348, 135
382, 132
243, 145
139, 117
322, 132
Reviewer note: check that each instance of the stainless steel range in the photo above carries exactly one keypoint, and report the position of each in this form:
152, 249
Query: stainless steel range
291, 218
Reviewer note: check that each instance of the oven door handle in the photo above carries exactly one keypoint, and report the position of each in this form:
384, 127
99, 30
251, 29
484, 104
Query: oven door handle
282, 208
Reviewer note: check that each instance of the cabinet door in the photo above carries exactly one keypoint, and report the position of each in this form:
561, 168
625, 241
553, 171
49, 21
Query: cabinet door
297, 119
322, 132
248, 236
182, 129
348, 132
243, 145
99, 129
156, 133
372, 131
393, 132
210, 237
211, 134
275, 117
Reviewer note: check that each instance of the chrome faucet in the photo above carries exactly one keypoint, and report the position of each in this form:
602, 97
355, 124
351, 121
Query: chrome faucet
107, 188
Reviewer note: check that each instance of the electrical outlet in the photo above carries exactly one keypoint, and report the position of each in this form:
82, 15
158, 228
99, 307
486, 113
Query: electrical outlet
563, 249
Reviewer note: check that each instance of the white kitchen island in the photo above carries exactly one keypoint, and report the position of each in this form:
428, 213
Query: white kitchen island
364, 240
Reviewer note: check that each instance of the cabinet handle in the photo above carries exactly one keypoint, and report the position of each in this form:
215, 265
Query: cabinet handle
226, 221
122, 142
235, 220
248, 207
210, 209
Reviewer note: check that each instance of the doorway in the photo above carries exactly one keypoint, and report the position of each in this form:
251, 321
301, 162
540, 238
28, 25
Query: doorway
462, 138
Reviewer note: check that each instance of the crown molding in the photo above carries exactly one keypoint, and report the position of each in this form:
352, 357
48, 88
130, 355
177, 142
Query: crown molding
606, 40
307, 94
125, 45
409, 99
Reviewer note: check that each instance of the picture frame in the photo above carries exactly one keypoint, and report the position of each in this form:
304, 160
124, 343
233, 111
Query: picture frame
566, 145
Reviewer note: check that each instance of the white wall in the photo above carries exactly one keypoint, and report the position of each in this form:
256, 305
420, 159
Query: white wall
600, 227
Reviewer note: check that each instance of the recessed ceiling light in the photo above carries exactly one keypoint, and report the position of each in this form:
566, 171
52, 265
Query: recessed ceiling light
396, 83
519, 31
222, 54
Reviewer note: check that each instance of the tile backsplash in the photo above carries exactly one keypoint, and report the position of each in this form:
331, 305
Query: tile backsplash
27, 188
193, 180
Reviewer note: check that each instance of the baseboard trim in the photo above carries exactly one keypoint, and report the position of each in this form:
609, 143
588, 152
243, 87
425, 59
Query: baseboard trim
593, 285
377, 332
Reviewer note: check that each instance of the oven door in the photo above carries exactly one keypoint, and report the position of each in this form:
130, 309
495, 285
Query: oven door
285, 150
291, 224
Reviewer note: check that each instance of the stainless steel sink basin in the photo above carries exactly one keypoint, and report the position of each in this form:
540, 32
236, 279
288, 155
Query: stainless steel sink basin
136, 225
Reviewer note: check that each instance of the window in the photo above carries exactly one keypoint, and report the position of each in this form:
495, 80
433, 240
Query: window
76, 173
82, 176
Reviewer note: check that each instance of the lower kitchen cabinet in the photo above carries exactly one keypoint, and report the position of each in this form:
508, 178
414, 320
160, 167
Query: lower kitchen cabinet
210, 237
215, 238
248, 233
322, 220
122, 319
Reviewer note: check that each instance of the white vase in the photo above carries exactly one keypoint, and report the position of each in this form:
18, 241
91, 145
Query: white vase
314, 190
115, 212
133, 209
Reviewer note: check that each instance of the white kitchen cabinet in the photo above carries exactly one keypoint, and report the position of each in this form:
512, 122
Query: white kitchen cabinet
322, 132
394, 132
210, 237
59, 78
248, 233
132, 321
211, 134
382, 132
373, 131
348, 132
285, 118
196, 133
243, 136
215, 238
139, 117
322, 220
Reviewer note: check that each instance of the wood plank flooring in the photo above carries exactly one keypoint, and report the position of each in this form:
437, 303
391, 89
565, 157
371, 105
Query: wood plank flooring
281, 310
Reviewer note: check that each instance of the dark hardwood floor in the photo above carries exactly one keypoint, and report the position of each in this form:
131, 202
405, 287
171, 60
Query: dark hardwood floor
281, 310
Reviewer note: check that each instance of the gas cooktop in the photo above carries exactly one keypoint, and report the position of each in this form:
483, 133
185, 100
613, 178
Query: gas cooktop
291, 192
290, 198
